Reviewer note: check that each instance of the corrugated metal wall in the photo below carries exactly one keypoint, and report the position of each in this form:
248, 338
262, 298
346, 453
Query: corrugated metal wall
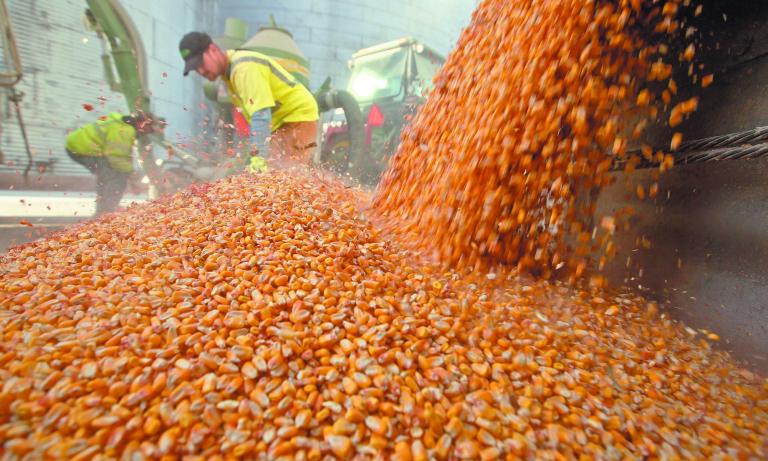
62, 71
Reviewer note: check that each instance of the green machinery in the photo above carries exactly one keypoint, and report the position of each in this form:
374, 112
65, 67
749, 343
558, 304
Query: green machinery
114, 27
273, 41
390, 81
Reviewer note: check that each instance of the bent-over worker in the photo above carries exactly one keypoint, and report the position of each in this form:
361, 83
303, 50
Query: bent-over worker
105, 148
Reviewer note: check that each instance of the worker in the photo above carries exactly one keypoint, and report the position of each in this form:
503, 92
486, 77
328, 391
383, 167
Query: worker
281, 113
105, 148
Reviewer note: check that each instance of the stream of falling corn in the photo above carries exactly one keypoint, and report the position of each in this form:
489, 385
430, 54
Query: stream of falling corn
267, 317
525, 119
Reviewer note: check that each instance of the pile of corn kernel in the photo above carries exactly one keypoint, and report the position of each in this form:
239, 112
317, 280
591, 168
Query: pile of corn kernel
271, 317
264, 317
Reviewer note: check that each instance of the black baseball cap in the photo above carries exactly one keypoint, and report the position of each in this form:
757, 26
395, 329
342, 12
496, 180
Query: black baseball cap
192, 46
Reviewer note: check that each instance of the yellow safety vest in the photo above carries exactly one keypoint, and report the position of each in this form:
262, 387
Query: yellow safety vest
256, 82
111, 138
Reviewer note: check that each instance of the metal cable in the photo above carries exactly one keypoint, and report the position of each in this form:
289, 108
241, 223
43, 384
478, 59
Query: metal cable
733, 146
752, 136
728, 153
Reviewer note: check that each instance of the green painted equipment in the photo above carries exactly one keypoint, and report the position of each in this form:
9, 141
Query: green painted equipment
272, 41
112, 24
235, 33
278, 44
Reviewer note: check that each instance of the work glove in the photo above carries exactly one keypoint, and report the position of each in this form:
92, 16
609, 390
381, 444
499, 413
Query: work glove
257, 165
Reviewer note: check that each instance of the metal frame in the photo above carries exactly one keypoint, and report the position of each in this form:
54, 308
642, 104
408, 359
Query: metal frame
11, 52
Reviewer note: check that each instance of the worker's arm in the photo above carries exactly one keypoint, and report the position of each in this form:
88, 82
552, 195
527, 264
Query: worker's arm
261, 128
119, 147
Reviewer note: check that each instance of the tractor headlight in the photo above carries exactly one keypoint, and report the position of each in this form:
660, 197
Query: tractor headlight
365, 85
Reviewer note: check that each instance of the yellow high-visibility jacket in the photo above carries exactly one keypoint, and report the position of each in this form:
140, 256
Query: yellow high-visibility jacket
111, 138
257, 82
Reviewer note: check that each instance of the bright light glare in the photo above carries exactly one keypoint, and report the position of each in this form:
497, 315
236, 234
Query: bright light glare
365, 85
145, 180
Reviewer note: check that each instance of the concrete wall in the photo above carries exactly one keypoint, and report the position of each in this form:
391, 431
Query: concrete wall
62, 70
329, 31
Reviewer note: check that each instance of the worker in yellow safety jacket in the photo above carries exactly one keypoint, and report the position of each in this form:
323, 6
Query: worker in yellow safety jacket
105, 148
278, 108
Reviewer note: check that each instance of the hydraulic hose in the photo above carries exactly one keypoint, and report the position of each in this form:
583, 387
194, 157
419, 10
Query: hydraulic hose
332, 99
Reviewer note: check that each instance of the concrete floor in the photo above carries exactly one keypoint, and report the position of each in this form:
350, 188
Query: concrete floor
46, 212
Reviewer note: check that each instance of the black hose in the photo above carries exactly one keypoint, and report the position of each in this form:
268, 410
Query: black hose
332, 99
